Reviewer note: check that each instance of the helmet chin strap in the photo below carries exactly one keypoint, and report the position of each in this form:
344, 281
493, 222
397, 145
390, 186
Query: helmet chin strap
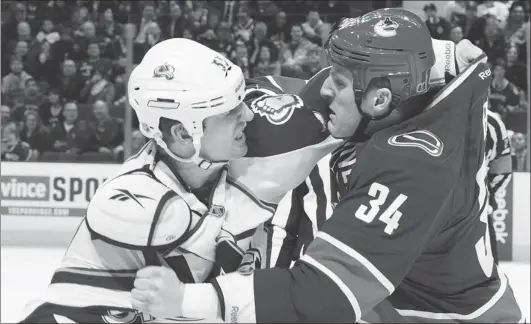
202, 163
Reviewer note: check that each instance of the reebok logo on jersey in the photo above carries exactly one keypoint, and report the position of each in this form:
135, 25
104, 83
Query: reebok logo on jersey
278, 109
422, 139
125, 195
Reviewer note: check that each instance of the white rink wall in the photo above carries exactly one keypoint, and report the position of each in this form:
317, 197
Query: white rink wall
42, 204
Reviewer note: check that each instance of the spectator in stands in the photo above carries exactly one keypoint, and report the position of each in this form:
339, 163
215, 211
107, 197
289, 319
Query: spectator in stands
515, 21
43, 65
35, 134
332, 11
137, 142
173, 26
93, 61
491, 42
188, 33
23, 35
83, 40
12, 148
258, 39
5, 115
456, 34
245, 24
496, 9
118, 106
438, 26
516, 70
240, 57
70, 84
267, 62
148, 16
294, 54
20, 14
312, 65
51, 110
47, 33
228, 10
108, 131
279, 30
265, 9
313, 28
33, 97
59, 12
14, 83
21, 53
71, 135
455, 13
519, 152
98, 87
474, 24
504, 96
111, 32
224, 41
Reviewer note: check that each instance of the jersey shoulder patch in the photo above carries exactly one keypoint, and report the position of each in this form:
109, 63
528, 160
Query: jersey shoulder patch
136, 210
422, 139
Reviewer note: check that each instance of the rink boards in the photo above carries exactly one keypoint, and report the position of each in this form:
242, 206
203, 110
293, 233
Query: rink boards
42, 204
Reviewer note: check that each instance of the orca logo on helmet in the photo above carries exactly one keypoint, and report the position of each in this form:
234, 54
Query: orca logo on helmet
278, 109
386, 28
164, 71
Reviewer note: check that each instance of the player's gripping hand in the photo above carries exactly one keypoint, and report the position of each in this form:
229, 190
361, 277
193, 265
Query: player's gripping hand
466, 53
158, 292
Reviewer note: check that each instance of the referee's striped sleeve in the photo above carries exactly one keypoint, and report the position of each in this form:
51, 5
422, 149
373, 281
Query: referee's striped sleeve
498, 143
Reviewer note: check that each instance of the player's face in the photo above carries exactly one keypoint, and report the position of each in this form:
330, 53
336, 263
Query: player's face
339, 91
223, 138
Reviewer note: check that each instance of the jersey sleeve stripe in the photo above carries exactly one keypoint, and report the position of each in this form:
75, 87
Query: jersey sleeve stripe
330, 274
359, 258
85, 296
115, 281
454, 316
351, 272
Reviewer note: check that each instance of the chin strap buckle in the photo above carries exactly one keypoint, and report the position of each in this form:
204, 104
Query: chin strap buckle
205, 165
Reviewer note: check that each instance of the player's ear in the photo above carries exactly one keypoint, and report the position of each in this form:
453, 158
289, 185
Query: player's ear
179, 134
380, 101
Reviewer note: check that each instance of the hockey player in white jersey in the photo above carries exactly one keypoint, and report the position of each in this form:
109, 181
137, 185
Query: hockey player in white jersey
178, 202
167, 204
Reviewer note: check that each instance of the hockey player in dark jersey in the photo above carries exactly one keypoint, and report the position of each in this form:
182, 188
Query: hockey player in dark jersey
410, 227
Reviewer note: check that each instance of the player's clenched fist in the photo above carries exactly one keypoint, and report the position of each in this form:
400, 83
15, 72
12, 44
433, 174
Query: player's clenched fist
158, 292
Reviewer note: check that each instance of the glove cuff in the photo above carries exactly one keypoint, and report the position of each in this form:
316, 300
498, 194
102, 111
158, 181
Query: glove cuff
200, 301
236, 297
444, 62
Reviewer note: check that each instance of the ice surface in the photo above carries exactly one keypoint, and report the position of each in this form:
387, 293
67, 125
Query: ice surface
26, 273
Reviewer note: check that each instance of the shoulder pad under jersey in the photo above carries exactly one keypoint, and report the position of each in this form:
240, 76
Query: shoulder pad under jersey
135, 210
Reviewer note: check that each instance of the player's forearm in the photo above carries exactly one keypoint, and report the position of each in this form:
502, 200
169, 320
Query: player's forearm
300, 294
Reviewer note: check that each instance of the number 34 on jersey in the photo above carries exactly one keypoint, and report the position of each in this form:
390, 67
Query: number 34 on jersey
389, 216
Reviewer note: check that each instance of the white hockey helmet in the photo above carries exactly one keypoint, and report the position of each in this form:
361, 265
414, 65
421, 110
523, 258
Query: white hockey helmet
183, 80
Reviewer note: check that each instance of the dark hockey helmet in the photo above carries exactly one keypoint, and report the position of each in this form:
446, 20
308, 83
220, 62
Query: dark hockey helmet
392, 43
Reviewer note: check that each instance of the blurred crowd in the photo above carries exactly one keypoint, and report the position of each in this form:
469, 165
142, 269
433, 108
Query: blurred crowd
64, 62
